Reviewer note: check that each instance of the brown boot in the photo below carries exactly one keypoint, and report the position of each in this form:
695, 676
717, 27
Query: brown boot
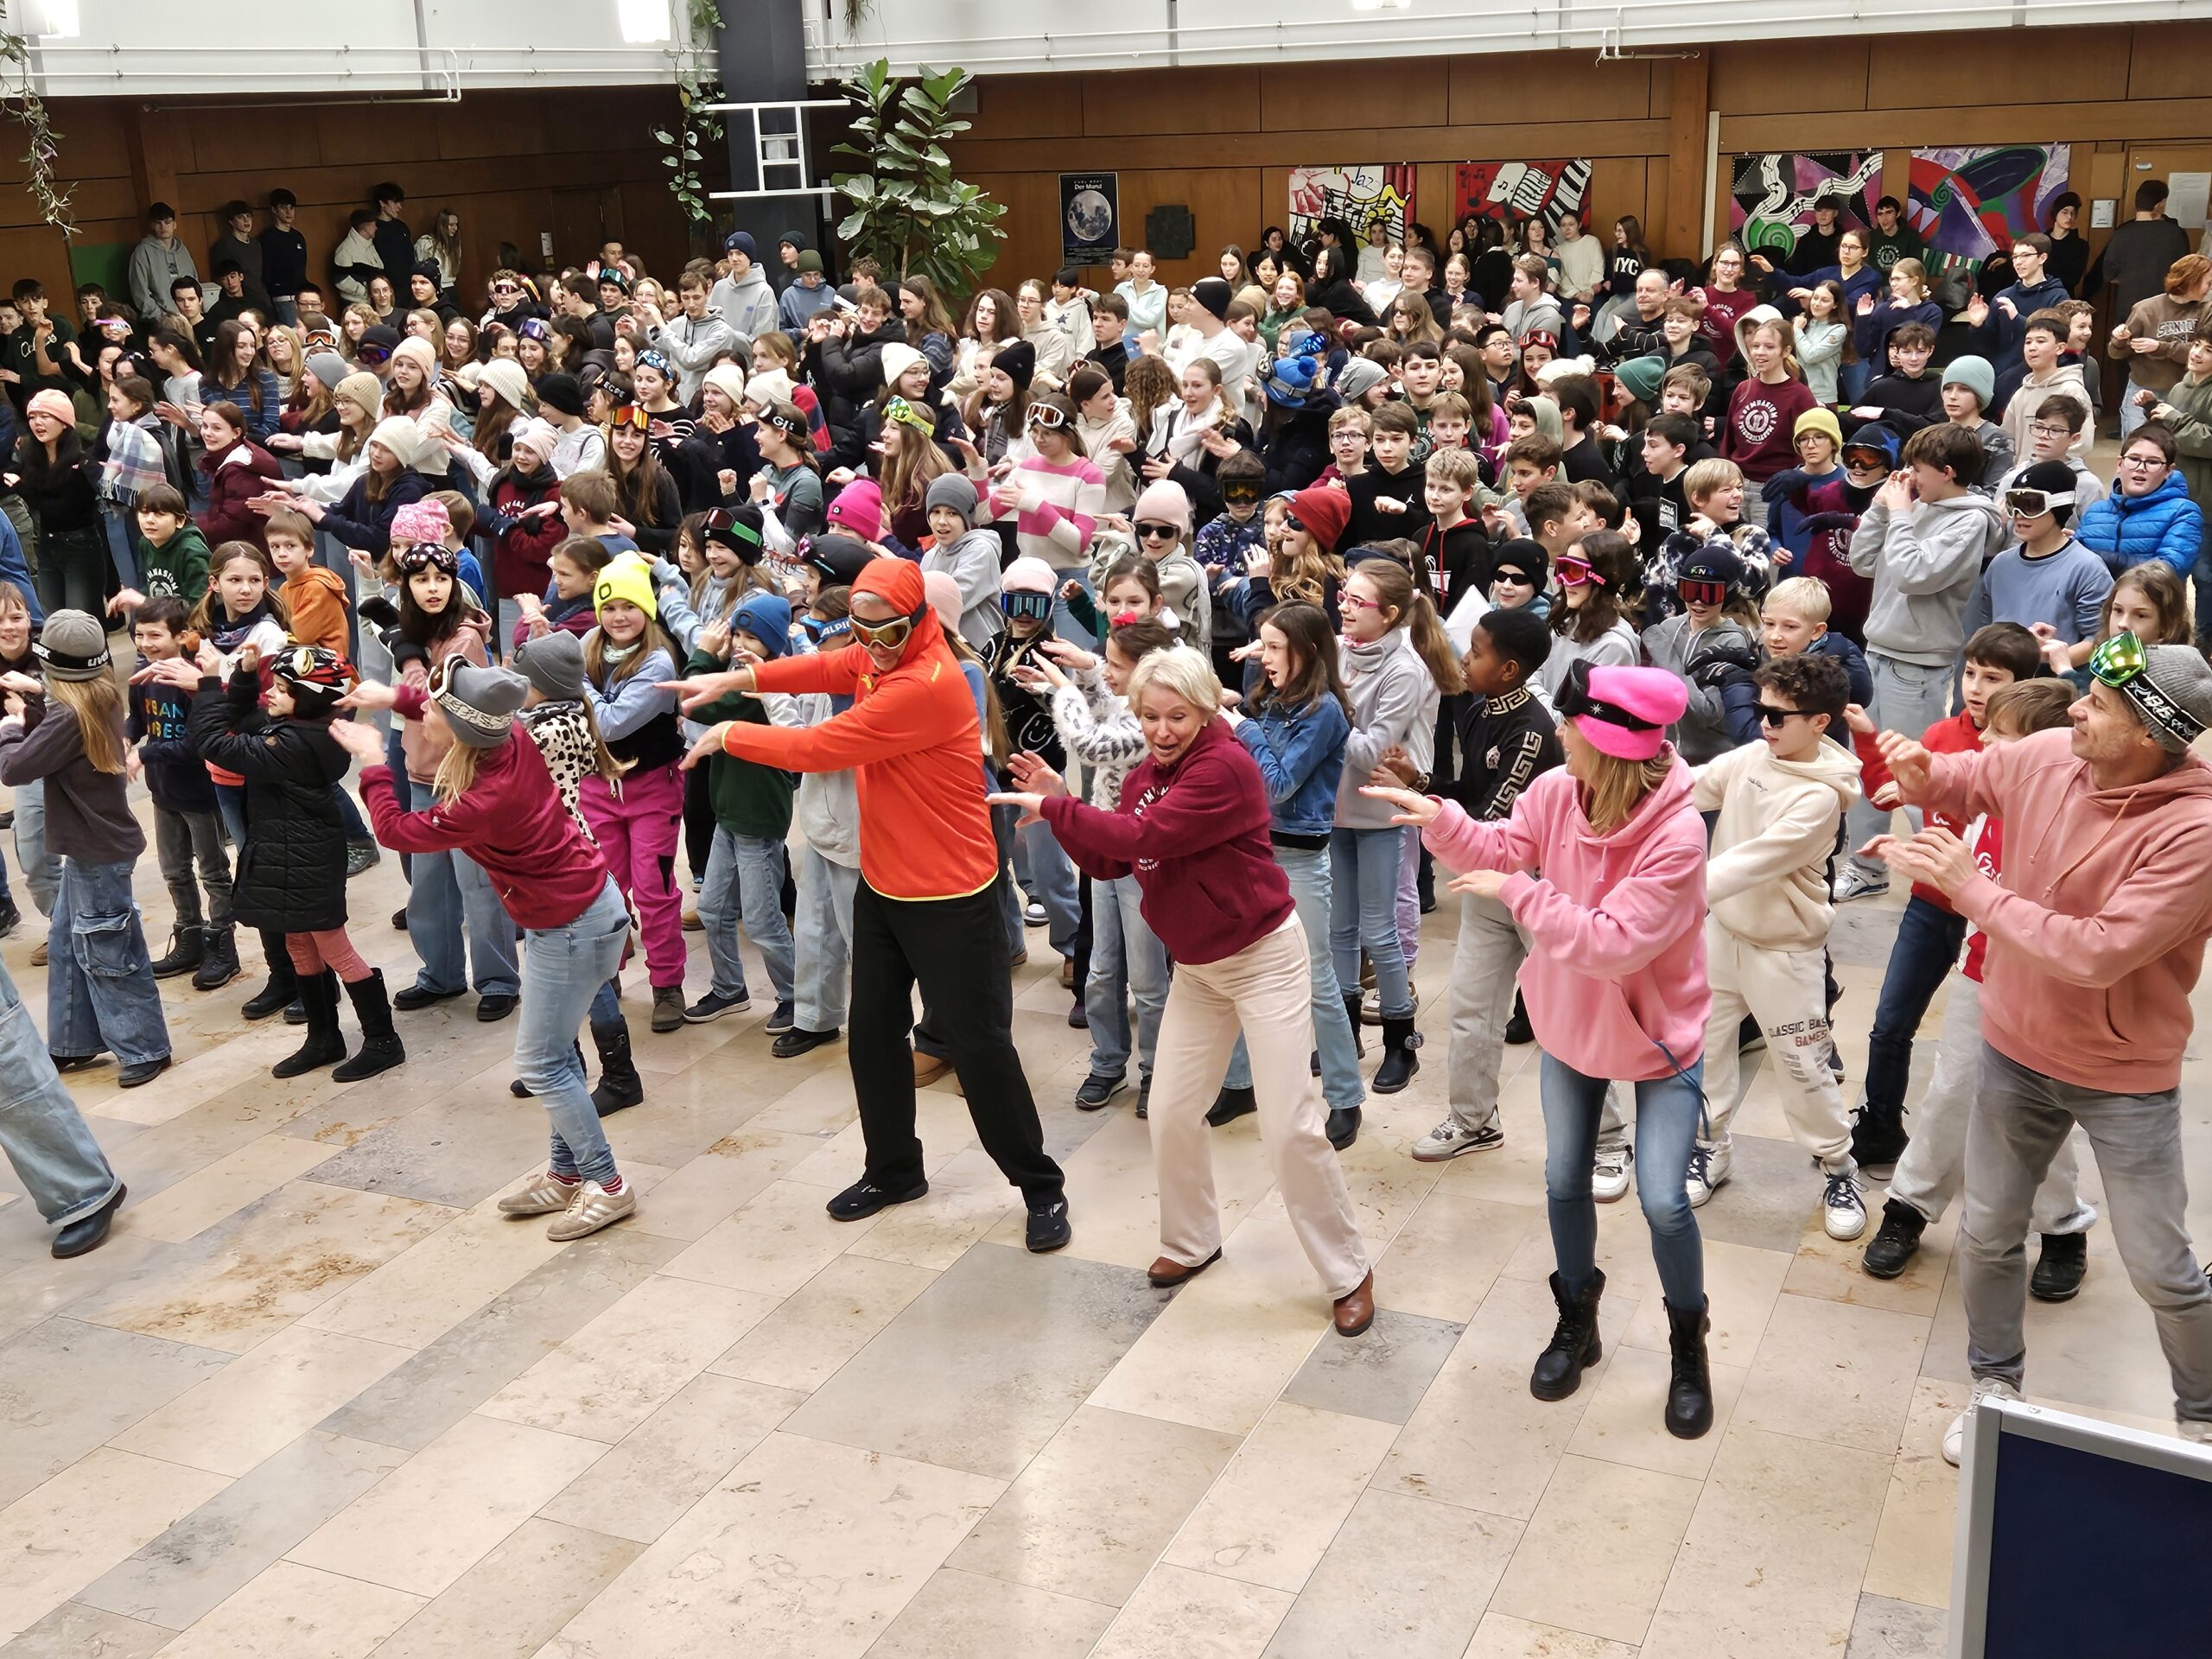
928, 1068
1355, 1309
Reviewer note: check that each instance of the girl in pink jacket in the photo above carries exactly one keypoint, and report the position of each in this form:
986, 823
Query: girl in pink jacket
1602, 864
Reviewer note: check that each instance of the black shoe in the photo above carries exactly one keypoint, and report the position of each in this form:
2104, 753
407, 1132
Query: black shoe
218, 960
399, 920
1518, 1031
419, 996
1096, 1090
1574, 1342
1229, 1105
797, 1041
295, 1012
66, 1064
324, 1046
864, 1197
1400, 1063
1048, 1227
133, 1077
1892, 1248
495, 1006
274, 997
1144, 1098
186, 948
1079, 1018
1878, 1135
361, 856
1689, 1387
781, 1019
1313, 1064
11, 917
619, 1085
1344, 1126
519, 1090
381, 1048
2060, 1267
88, 1232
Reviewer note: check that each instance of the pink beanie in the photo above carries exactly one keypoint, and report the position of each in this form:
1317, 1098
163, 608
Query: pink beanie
417, 350
1163, 502
1028, 574
420, 523
1622, 712
52, 402
943, 594
859, 509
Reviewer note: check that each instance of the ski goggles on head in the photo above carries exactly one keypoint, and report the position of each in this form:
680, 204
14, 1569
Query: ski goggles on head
425, 555
791, 426
1048, 416
535, 328
907, 414
319, 339
1578, 573
822, 628
1699, 592
629, 414
1036, 606
650, 359
2118, 660
1573, 698
2026, 503
720, 525
2123, 663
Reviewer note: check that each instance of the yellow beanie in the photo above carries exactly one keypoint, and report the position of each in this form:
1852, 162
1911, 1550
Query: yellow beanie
627, 577
1820, 420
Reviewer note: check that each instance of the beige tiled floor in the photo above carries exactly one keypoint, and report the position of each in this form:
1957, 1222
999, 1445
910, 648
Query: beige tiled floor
317, 1398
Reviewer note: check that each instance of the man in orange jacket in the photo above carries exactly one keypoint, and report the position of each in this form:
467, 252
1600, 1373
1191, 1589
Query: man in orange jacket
924, 912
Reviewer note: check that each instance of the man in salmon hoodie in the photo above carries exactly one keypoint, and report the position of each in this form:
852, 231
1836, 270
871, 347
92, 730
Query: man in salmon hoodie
924, 912
2096, 937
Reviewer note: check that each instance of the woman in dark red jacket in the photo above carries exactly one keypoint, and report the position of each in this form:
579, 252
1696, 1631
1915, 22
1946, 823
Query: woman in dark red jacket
238, 469
1193, 829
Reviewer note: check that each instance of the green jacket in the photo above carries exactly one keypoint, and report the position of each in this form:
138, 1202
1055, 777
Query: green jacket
178, 569
748, 799
2191, 400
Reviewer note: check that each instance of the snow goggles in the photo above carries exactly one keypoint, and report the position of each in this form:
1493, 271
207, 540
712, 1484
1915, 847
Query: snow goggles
2024, 503
1036, 606
904, 412
1698, 593
1051, 416
630, 415
1573, 698
2123, 663
1578, 573
885, 636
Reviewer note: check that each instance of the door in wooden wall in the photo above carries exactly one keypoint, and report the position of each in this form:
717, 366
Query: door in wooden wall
2187, 169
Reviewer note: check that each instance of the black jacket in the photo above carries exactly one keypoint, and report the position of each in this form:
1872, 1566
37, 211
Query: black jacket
291, 873
846, 373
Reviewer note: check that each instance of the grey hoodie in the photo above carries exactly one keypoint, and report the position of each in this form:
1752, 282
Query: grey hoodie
1394, 699
972, 561
1924, 564
746, 303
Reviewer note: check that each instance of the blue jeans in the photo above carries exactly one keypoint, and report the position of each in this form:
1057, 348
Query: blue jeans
1309, 870
42, 869
59, 1164
745, 880
1363, 867
1926, 949
99, 981
569, 969
1127, 960
230, 806
1041, 865
449, 894
823, 946
121, 526
1667, 1114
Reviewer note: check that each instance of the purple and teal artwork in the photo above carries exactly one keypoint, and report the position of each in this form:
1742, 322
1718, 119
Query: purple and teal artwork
1971, 203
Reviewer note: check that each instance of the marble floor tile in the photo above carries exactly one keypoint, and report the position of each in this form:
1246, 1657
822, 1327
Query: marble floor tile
454, 1150
506, 1605
1741, 1284
1766, 1202
1443, 1261
815, 1329
221, 1190
672, 1459
1912, 1545
1836, 1372
981, 1370
1597, 1551
803, 1547
66, 1387
1829, 1269
1625, 1420
772, 1244
1382, 1375
1095, 1508
964, 1615
1194, 1616
1896, 1630
1500, 1636
427, 1289
686, 1113
706, 1189
1405, 1579
482, 1479
620, 1369
1774, 1553
262, 1400
213, 1552
296, 1612
942, 1123
59, 1536
73, 1630
968, 1198
1269, 1517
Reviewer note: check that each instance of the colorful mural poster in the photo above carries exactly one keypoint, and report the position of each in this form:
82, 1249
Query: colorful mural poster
1772, 195
1971, 203
1513, 191
1359, 195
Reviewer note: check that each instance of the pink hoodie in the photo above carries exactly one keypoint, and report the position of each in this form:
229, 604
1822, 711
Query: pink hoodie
1619, 921
2097, 926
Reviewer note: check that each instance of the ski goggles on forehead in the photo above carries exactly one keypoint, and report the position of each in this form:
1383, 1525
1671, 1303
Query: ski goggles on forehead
1036, 606
2033, 503
791, 426
1578, 573
535, 328
2118, 660
1573, 698
2123, 663
630, 415
650, 359
904, 412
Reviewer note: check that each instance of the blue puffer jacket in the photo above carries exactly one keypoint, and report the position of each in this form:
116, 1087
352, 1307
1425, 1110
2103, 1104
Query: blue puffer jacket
1301, 756
2126, 529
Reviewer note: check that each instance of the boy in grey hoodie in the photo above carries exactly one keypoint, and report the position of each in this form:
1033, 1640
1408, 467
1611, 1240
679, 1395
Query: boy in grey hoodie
967, 553
743, 299
1924, 539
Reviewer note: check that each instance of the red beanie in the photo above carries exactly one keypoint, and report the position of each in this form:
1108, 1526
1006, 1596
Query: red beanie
1325, 512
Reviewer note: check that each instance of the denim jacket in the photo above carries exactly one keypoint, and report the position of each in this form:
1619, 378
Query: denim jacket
1300, 755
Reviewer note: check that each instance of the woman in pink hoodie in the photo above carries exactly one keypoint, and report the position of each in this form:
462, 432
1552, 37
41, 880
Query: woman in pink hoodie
1616, 989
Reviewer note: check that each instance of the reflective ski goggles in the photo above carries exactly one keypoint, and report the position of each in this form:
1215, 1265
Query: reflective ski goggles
1036, 606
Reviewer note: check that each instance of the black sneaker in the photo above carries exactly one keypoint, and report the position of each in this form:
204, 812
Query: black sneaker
68, 1063
2060, 1266
1079, 1018
1229, 1105
1518, 1032
864, 1197
1048, 1227
713, 1005
1878, 1137
141, 1073
1096, 1090
494, 1006
1897, 1244
781, 1020
1144, 1098
798, 1040
361, 856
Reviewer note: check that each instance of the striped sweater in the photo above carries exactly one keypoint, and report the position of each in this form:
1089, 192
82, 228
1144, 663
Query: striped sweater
1059, 509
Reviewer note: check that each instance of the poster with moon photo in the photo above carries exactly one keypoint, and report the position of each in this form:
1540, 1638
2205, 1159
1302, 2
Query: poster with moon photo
1090, 218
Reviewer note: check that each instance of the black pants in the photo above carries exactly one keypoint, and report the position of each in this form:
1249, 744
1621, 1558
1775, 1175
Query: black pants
955, 949
698, 822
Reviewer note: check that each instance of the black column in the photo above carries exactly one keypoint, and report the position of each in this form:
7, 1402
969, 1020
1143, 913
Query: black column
763, 51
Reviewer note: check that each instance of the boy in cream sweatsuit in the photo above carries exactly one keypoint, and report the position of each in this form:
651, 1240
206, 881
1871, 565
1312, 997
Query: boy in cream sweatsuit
1780, 801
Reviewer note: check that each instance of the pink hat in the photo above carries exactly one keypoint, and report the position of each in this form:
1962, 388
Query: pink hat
1028, 574
417, 350
1163, 502
421, 522
943, 594
859, 509
52, 402
1622, 712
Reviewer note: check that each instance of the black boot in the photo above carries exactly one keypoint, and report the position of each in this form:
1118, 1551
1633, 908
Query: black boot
186, 948
1517, 1029
1690, 1389
620, 1084
218, 960
1229, 1105
1352, 1014
324, 1046
1898, 1242
1574, 1341
2060, 1265
381, 1048
283, 984
1400, 1039
1344, 1126
1878, 1135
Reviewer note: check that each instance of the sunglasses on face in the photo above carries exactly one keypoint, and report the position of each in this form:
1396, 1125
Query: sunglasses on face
373, 354
1149, 532
1578, 573
1775, 719
1035, 607
885, 636
1512, 578
506, 288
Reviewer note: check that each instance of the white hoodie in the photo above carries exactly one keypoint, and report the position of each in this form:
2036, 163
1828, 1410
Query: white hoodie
1766, 881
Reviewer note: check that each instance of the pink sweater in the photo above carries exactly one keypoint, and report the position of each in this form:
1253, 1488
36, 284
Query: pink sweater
1619, 921
2097, 925
1059, 509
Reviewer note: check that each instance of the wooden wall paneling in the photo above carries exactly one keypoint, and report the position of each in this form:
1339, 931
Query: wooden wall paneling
1222, 99
1687, 126
1168, 148
2033, 67
1227, 204
1769, 77
1436, 186
1027, 106
1546, 86
2167, 59
1032, 224
389, 140
1321, 97
1619, 184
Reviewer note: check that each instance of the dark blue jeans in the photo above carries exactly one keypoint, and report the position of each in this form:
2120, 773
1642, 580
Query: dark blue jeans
1927, 948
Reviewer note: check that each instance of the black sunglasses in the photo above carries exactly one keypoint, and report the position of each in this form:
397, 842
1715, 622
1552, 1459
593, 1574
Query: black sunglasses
1772, 717
1152, 532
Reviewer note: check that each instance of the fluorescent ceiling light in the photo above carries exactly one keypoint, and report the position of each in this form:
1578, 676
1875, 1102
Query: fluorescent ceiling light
643, 21
58, 19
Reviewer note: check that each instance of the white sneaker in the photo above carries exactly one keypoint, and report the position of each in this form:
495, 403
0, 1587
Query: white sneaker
1843, 1212
595, 1207
1955, 1437
541, 1195
1710, 1167
1448, 1140
2199, 1432
1852, 882
1609, 1174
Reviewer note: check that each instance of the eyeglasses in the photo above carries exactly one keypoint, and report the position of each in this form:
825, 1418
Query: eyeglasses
2033, 503
2049, 430
1351, 601
2143, 463
1149, 530
885, 636
1035, 607
1578, 573
1774, 719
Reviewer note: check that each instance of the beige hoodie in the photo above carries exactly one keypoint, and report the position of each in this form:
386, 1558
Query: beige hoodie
1767, 877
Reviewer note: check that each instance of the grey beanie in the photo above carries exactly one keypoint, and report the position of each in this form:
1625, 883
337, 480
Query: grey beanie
479, 704
1358, 377
554, 663
73, 647
328, 367
2173, 695
952, 490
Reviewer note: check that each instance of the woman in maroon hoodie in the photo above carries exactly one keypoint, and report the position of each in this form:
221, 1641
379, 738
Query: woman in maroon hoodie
238, 469
1193, 827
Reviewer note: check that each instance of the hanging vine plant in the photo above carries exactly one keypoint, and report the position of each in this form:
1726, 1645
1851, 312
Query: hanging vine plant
686, 146
43, 145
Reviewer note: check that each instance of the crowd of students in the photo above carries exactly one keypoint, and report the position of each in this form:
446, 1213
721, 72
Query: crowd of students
1187, 633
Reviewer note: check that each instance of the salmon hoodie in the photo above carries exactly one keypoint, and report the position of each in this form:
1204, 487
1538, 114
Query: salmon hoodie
1616, 986
2097, 925
1767, 878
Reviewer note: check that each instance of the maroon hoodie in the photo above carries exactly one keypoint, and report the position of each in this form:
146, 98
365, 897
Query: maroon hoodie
1196, 835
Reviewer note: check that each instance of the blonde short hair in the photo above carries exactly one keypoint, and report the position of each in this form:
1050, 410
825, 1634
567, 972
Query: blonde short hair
1180, 671
1351, 415
1455, 467
1805, 596
1708, 477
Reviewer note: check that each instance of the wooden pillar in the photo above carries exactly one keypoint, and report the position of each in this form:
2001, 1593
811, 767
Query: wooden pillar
153, 167
1686, 125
